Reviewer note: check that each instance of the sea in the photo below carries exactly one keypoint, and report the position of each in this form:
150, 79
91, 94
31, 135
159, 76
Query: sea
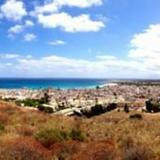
58, 83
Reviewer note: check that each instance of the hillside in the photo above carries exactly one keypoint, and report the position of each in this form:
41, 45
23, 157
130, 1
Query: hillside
32, 135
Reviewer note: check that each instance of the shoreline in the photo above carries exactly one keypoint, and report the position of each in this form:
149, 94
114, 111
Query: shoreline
100, 84
68, 83
61, 88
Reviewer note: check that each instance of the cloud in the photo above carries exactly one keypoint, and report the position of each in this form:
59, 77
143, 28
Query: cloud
145, 48
146, 45
11, 56
20, 28
28, 23
54, 6
79, 3
1, 16
8, 56
67, 23
16, 29
58, 66
106, 57
51, 15
29, 37
57, 42
13, 10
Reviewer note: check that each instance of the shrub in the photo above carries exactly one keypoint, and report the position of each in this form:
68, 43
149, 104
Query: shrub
23, 149
30, 102
126, 108
47, 137
48, 110
66, 150
135, 116
45, 109
95, 110
111, 106
152, 106
9, 99
98, 109
138, 152
76, 134
45, 99
156, 107
133, 150
2, 127
149, 105
25, 130
4, 118
18, 102
41, 108
96, 150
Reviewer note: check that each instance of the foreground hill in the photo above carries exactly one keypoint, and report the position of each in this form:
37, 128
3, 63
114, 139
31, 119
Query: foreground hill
32, 135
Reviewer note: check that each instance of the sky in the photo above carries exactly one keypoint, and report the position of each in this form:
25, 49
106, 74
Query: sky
80, 38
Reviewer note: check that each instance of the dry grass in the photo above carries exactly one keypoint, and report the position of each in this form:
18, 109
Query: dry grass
111, 136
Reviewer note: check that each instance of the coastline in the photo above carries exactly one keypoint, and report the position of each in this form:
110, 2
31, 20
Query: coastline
55, 83
134, 93
69, 83
75, 101
106, 84
106, 93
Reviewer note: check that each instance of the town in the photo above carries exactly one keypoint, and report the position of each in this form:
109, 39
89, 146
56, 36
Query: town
74, 101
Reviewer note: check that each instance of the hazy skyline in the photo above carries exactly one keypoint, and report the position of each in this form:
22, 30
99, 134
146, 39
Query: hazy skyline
80, 38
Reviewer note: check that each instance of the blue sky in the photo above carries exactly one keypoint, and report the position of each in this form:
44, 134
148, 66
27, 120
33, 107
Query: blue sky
80, 38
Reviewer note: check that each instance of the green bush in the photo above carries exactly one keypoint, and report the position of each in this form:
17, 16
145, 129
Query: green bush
47, 137
45, 109
27, 102
48, 109
31, 102
76, 134
18, 102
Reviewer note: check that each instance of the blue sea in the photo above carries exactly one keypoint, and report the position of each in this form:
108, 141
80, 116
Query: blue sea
41, 83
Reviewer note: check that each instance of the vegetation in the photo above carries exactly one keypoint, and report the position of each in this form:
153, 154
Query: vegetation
76, 134
45, 109
48, 137
34, 135
99, 109
30, 102
126, 108
152, 106
135, 116
2, 127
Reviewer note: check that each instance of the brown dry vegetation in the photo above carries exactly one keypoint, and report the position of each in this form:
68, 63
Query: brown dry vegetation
32, 135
